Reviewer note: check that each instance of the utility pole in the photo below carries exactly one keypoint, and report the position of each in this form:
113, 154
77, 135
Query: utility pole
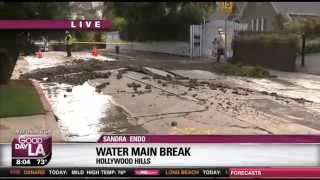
227, 8
226, 36
203, 36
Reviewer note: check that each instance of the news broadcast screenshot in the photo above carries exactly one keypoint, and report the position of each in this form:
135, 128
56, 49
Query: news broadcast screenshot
179, 89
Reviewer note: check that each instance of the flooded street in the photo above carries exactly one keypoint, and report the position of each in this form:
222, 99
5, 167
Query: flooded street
91, 97
79, 109
81, 112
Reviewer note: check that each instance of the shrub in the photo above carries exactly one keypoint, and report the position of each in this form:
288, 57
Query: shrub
162, 27
312, 48
295, 26
262, 37
119, 23
271, 50
247, 71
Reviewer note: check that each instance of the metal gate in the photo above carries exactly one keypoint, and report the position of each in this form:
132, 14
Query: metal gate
202, 36
196, 33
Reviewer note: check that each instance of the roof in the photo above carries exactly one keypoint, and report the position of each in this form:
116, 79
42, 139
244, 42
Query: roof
305, 8
217, 15
287, 8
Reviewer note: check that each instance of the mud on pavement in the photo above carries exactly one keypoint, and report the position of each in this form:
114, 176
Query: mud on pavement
228, 102
78, 71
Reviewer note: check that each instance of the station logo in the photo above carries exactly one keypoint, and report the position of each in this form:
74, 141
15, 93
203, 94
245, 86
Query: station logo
31, 150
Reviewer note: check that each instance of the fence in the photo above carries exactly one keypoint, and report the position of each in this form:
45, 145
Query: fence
202, 36
200, 44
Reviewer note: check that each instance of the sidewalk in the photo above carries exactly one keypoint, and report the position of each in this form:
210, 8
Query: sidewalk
312, 64
9, 125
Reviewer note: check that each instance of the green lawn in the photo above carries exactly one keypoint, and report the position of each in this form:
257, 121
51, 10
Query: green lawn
19, 98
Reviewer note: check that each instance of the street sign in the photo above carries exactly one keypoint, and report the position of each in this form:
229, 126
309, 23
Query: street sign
227, 7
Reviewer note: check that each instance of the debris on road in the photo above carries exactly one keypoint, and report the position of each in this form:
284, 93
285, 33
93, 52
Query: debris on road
224, 101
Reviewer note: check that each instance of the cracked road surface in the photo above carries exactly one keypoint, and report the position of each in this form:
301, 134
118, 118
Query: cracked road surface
158, 95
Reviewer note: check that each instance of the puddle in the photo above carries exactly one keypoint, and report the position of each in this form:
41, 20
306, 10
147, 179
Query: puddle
39, 63
84, 115
79, 111
88, 57
116, 123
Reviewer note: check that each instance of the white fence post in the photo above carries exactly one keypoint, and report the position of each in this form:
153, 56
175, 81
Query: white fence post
191, 40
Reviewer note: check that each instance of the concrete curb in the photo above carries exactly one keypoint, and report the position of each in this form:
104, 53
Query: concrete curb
56, 134
44, 100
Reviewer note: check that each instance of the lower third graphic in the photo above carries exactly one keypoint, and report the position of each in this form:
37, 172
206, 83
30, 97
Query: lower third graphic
31, 150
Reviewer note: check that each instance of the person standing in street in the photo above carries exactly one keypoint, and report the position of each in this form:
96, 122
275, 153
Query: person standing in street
68, 42
220, 49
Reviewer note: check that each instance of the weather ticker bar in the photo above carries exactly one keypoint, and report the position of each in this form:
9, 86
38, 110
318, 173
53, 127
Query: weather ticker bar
114, 172
162, 172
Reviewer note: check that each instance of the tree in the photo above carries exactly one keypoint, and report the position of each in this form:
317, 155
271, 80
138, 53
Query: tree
87, 10
13, 42
159, 20
295, 26
279, 21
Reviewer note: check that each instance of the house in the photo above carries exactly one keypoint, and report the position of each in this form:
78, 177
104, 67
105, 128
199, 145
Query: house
218, 15
262, 16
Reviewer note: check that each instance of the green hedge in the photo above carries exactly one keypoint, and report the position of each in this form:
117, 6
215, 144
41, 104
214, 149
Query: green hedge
312, 48
252, 37
247, 71
270, 50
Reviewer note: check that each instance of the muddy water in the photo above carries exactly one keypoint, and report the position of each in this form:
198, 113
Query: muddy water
38, 63
83, 114
115, 122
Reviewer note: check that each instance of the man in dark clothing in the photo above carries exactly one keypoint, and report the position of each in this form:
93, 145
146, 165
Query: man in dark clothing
68, 42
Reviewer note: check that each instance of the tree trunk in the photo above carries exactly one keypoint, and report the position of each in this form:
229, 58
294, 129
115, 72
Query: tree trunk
9, 53
7, 64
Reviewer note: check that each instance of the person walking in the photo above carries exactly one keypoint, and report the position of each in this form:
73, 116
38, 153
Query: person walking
68, 42
220, 49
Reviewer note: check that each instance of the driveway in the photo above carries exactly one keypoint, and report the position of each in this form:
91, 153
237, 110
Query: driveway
312, 64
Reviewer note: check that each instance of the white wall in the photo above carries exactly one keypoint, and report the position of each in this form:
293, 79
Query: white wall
168, 47
208, 33
174, 47
113, 36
